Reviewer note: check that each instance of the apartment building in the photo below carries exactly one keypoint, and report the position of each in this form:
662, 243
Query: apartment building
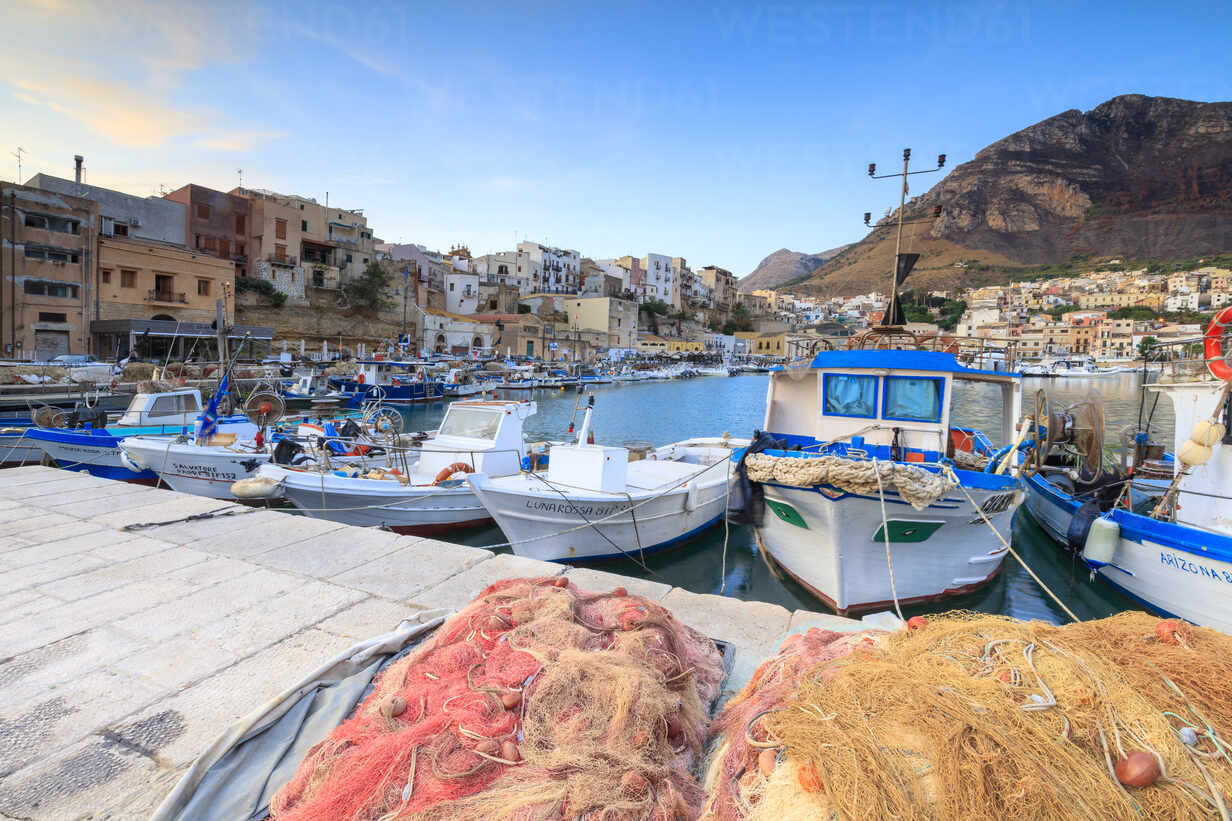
549, 270
216, 223
659, 279
144, 269
615, 317
722, 283
47, 260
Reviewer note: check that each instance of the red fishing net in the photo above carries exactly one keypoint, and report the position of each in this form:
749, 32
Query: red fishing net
744, 757
537, 701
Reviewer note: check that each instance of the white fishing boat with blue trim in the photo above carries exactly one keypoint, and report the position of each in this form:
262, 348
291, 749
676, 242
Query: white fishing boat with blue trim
865, 504
599, 502
1173, 551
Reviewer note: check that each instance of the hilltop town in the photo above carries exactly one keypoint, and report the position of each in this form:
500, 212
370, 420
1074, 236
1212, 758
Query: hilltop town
95, 270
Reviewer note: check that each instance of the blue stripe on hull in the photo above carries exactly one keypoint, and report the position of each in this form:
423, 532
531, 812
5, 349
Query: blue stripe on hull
119, 474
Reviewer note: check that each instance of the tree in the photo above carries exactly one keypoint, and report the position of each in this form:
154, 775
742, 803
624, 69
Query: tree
1144, 347
1141, 313
368, 289
263, 287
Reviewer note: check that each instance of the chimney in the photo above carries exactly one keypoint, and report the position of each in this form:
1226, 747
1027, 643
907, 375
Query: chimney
77, 161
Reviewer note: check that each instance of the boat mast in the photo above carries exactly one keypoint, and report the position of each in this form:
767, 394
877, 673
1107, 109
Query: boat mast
903, 263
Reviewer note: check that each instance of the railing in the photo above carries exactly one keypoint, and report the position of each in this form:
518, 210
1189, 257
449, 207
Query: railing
156, 295
282, 260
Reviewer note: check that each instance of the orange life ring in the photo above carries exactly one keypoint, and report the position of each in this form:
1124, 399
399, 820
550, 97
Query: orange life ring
1213, 347
359, 379
451, 470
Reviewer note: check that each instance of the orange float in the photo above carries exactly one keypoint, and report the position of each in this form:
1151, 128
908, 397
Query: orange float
1213, 346
446, 472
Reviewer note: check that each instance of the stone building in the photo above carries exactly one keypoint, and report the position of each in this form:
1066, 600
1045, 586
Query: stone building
48, 248
615, 317
723, 283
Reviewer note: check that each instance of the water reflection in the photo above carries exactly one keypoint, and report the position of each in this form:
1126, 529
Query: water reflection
663, 412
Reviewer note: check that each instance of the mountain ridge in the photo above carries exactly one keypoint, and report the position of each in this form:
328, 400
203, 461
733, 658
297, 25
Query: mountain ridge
1135, 177
783, 266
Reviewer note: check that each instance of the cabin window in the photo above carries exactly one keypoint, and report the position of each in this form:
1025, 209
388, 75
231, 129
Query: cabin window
174, 405
473, 423
913, 398
849, 394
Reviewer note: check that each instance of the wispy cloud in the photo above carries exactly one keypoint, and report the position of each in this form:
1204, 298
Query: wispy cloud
238, 140
125, 93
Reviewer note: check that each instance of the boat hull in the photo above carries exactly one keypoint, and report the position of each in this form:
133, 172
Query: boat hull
415, 509
18, 449
187, 468
832, 543
543, 525
1051, 509
1173, 569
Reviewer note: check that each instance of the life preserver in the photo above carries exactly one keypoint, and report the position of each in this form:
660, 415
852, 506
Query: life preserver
1213, 347
451, 470
359, 379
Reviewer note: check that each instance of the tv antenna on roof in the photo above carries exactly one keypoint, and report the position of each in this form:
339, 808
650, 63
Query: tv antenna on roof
240, 173
18, 154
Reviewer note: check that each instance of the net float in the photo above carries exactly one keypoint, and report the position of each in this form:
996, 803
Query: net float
511, 700
393, 706
1138, 769
766, 761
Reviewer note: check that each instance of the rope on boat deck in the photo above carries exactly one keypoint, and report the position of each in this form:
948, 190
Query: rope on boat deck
1011, 550
885, 532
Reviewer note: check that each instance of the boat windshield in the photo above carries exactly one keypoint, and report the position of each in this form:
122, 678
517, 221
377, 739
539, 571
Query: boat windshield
472, 423
916, 399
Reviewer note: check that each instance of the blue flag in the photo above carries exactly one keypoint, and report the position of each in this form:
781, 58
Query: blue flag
209, 416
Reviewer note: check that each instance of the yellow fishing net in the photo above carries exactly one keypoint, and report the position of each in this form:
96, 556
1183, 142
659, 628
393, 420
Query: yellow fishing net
974, 716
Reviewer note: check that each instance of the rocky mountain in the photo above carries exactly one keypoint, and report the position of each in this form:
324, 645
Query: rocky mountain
1136, 177
783, 266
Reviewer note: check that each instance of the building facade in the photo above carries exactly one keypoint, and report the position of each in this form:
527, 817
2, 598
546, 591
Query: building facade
48, 253
216, 223
615, 317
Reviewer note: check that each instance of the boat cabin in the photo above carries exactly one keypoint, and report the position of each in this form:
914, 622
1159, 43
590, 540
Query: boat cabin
391, 372
485, 435
180, 407
882, 398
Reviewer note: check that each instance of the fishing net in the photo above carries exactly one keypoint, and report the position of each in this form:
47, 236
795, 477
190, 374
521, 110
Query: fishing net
975, 716
742, 759
537, 701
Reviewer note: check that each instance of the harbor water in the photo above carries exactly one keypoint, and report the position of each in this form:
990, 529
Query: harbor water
724, 560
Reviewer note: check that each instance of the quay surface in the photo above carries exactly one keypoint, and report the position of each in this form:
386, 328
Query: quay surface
125, 653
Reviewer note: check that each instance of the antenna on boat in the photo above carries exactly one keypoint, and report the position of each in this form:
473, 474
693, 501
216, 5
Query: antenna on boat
903, 263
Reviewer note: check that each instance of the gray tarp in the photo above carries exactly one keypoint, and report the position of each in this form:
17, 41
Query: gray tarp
236, 776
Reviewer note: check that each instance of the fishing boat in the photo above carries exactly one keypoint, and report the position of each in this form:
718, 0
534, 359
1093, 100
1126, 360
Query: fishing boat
1080, 367
861, 467
210, 467
864, 416
419, 486
460, 382
1172, 551
393, 381
95, 449
600, 502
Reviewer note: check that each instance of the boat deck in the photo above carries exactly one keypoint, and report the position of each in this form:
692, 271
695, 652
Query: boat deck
124, 653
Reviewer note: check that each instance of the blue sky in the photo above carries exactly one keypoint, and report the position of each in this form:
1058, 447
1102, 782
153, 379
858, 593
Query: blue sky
717, 132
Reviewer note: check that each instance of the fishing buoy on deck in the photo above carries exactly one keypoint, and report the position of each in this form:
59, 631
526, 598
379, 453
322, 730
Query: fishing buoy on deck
255, 487
1101, 543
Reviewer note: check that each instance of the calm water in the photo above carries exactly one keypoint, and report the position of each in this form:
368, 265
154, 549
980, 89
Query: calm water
664, 412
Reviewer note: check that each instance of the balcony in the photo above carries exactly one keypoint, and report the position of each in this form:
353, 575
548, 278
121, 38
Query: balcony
274, 259
157, 295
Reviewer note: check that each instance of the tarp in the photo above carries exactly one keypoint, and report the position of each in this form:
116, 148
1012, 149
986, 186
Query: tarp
239, 773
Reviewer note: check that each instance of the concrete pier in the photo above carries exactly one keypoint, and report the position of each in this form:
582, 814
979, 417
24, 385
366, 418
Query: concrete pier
124, 653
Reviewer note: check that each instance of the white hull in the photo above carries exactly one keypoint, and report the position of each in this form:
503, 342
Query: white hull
1195, 585
835, 547
189, 468
666, 502
418, 509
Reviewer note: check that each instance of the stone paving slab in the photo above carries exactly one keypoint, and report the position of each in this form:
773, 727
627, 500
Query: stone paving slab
123, 654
